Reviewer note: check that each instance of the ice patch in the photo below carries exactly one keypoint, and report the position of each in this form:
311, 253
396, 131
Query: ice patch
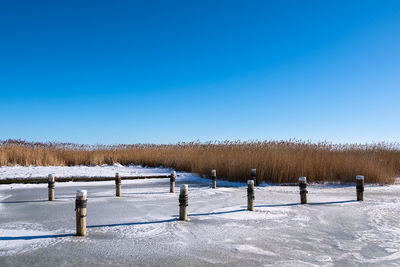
23, 237
140, 231
290, 263
324, 258
252, 249
394, 256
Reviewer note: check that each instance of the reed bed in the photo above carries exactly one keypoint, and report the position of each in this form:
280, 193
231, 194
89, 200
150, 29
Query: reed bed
276, 161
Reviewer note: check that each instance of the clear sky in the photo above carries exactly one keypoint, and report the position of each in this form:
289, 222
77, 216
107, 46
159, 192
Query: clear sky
167, 71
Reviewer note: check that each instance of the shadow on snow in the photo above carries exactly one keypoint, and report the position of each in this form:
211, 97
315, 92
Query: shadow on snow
298, 204
7, 238
33, 237
128, 224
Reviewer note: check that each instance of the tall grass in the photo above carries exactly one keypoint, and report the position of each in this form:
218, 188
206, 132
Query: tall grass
276, 161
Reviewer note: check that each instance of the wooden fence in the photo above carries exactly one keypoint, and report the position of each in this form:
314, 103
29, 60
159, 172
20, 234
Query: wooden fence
44, 180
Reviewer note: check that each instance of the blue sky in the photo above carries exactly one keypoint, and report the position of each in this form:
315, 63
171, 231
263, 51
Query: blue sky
167, 71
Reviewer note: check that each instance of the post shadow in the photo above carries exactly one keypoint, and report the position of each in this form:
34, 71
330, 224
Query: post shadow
130, 223
310, 204
332, 202
147, 193
22, 201
43, 200
8, 238
214, 213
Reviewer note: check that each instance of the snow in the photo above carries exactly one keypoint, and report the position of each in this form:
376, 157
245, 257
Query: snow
81, 171
14, 244
141, 227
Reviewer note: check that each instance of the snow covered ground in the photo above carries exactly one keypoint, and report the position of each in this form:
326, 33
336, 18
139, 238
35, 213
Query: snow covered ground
82, 171
140, 228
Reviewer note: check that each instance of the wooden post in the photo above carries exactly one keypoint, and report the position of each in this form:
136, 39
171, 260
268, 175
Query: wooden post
360, 187
303, 190
214, 178
254, 177
172, 182
250, 195
80, 208
51, 186
117, 184
183, 202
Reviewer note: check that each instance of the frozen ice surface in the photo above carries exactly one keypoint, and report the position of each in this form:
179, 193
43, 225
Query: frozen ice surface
140, 228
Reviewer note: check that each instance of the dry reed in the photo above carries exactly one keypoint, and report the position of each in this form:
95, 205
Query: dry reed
276, 161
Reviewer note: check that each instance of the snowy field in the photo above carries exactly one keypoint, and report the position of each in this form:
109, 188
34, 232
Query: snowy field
140, 228
78, 171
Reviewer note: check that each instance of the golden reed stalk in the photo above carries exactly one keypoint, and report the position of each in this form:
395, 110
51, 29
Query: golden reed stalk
275, 161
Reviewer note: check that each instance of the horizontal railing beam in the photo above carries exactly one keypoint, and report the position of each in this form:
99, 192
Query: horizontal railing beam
44, 180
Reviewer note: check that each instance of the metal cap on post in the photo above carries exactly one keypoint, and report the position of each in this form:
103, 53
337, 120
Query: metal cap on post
51, 185
250, 195
117, 184
172, 182
214, 178
303, 190
183, 202
360, 187
80, 209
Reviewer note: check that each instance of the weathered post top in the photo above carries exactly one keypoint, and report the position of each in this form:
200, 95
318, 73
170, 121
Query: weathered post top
118, 184
172, 182
184, 188
80, 209
81, 193
51, 185
303, 180
303, 190
360, 187
214, 178
250, 195
51, 177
